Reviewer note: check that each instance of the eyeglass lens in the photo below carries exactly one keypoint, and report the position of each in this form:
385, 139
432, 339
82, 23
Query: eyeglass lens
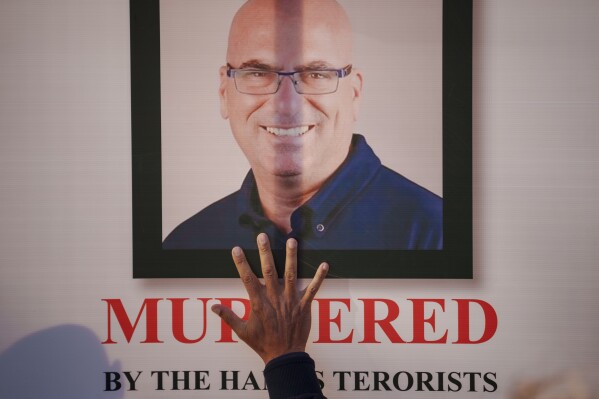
268, 82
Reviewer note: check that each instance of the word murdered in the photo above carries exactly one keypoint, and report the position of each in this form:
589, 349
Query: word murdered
370, 320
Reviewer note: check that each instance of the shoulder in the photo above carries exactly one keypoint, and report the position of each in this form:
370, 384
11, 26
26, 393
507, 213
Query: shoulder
398, 213
207, 228
399, 191
387, 187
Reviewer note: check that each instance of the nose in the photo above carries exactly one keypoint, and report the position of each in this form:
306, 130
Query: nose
286, 99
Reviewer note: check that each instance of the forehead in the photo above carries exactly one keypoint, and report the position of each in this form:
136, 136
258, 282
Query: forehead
281, 37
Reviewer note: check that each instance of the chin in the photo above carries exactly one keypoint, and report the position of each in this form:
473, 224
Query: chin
288, 173
287, 167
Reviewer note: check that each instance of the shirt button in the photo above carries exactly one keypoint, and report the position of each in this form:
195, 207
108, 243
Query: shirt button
320, 227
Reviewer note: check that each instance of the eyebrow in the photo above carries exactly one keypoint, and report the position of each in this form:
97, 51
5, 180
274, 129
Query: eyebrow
314, 65
257, 64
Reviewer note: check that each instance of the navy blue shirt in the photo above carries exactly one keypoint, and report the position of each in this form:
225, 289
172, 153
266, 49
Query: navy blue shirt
363, 205
292, 376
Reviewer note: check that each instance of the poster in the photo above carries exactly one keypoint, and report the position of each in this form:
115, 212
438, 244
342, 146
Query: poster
67, 226
413, 65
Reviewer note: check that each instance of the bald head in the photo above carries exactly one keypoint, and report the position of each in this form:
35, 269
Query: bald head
288, 27
292, 138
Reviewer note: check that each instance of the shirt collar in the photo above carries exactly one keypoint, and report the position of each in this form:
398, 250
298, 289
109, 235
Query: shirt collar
320, 211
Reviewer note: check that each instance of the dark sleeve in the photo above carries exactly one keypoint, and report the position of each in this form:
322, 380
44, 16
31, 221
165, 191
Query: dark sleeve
292, 376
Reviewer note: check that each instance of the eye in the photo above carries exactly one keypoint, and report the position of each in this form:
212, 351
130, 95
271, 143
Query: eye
254, 74
317, 75
257, 74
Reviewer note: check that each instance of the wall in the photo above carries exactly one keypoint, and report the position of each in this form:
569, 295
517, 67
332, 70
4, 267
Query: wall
65, 208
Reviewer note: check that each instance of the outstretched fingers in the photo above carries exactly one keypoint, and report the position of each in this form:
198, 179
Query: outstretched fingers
269, 271
230, 318
314, 286
291, 268
250, 281
274, 303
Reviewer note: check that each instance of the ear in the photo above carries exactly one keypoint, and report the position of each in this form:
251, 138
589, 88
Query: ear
222, 92
357, 81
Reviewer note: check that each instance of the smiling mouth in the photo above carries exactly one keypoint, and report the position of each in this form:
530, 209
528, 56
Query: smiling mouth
292, 131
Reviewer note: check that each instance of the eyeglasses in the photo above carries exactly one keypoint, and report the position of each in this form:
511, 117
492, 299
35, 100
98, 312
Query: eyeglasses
309, 81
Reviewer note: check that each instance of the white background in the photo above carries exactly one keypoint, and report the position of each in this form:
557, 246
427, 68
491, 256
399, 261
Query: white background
65, 202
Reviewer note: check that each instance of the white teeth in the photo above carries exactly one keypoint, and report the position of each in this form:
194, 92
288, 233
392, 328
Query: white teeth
294, 131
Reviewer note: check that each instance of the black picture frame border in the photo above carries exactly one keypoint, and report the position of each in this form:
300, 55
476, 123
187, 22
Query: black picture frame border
454, 261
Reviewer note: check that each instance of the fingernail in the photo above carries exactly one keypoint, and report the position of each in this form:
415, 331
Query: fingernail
215, 309
325, 266
262, 238
291, 243
236, 251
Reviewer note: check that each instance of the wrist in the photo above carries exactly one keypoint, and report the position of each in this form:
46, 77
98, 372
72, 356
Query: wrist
267, 357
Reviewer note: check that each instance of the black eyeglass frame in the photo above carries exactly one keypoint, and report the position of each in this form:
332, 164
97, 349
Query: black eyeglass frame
341, 73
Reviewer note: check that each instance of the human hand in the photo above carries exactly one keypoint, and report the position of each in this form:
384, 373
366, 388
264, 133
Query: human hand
280, 314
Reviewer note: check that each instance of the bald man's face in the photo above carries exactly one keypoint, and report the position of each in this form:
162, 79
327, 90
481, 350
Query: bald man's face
287, 134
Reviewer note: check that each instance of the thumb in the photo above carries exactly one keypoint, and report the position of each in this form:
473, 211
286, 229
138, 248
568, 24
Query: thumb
228, 316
